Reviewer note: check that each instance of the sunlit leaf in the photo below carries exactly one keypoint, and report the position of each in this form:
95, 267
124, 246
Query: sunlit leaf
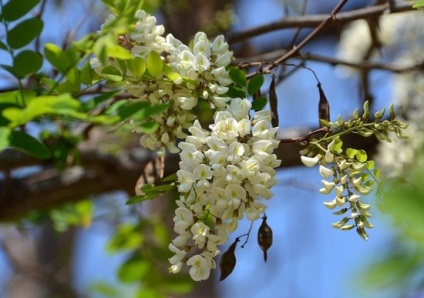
351, 152
137, 66
55, 55
361, 155
154, 64
4, 137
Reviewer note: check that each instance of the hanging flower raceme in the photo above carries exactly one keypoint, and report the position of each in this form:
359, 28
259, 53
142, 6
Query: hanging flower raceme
349, 174
170, 76
225, 173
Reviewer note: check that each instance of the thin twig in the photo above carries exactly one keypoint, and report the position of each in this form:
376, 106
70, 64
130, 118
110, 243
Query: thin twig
311, 21
307, 39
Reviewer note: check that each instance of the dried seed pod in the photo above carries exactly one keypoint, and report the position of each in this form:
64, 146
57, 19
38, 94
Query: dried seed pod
265, 237
228, 261
273, 103
323, 106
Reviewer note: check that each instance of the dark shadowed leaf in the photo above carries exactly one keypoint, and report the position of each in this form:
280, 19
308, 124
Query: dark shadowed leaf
259, 103
24, 32
14, 9
131, 108
254, 84
28, 144
27, 62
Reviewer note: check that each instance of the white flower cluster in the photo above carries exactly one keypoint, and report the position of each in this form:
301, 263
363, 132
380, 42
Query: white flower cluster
146, 36
344, 176
200, 73
224, 174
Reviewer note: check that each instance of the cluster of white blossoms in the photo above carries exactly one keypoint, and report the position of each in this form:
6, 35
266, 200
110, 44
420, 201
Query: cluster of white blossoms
346, 176
224, 174
198, 71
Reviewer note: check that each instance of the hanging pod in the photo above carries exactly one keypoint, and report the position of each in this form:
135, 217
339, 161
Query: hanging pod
228, 261
323, 107
273, 103
265, 237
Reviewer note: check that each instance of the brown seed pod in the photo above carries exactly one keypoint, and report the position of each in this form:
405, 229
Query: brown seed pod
265, 237
323, 107
228, 261
273, 103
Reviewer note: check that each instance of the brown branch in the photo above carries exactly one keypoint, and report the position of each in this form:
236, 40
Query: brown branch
361, 65
102, 173
307, 39
311, 21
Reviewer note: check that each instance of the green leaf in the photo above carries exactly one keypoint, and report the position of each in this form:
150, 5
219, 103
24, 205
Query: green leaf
350, 152
24, 32
137, 66
118, 52
154, 64
112, 73
157, 109
15, 9
170, 74
131, 108
4, 137
171, 177
259, 103
238, 76
254, 84
134, 269
148, 127
27, 62
3, 46
87, 74
361, 155
56, 57
235, 92
28, 144
370, 165
73, 76
104, 289
127, 237
62, 105
418, 4
95, 101
140, 198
